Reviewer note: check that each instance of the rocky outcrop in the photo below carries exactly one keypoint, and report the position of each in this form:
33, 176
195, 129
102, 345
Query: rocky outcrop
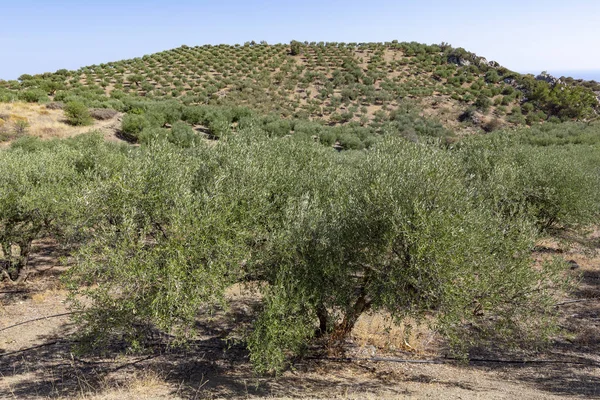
546, 77
458, 60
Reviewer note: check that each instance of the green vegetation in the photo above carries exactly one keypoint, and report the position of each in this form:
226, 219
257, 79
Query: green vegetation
240, 179
77, 114
335, 83
159, 232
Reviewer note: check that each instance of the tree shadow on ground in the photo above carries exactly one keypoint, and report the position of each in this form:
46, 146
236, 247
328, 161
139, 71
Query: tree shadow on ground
217, 364
206, 367
575, 370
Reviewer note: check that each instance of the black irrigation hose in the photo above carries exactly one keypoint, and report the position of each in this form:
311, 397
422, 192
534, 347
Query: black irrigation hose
447, 360
376, 359
347, 359
38, 319
498, 361
576, 301
32, 348
15, 291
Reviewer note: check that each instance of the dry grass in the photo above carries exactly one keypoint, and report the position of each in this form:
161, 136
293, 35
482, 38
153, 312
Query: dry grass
48, 295
43, 123
48, 121
380, 331
145, 384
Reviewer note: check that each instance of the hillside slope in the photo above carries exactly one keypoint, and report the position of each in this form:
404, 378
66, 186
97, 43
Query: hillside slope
336, 84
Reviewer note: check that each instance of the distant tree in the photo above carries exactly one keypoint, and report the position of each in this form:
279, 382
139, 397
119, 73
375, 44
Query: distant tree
50, 86
136, 78
483, 103
492, 76
33, 96
295, 47
78, 114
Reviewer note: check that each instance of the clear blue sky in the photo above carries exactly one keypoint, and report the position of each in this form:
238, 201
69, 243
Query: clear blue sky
38, 36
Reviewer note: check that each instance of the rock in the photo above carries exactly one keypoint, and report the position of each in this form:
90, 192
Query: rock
573, 264
472, 116
546, 77
460, 61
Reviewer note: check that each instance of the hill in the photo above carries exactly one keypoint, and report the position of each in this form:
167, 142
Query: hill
368, 85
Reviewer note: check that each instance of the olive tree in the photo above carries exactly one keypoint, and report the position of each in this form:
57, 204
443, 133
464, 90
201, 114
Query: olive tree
78, 114
165, 245
327, 236
38, 184
394, 230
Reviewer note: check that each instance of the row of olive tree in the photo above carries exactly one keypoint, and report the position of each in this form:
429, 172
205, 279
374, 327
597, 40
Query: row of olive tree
411, 229
328, 235
39, 185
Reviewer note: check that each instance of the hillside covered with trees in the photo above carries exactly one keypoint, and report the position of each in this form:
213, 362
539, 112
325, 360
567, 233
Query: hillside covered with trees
362, 89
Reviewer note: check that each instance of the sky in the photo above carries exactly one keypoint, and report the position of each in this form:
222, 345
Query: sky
526, 36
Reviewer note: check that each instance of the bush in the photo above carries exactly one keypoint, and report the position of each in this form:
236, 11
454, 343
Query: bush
483, 103
34, 96
77, 114
182, 135
132, 125
492, 76
492, 125
55, 105
21, 126
295, 48
527, 180
103, 113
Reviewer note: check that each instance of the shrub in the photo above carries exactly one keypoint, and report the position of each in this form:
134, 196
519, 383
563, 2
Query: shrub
483, 103
182, 135
103, 113
492, 76
219, 126
34, 96
492, 125
528, 180
295, 47
55, 105
21, 126
132, 125
77, 114
350, 142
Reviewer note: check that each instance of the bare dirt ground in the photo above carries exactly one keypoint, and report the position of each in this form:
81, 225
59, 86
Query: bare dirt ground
36, 359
